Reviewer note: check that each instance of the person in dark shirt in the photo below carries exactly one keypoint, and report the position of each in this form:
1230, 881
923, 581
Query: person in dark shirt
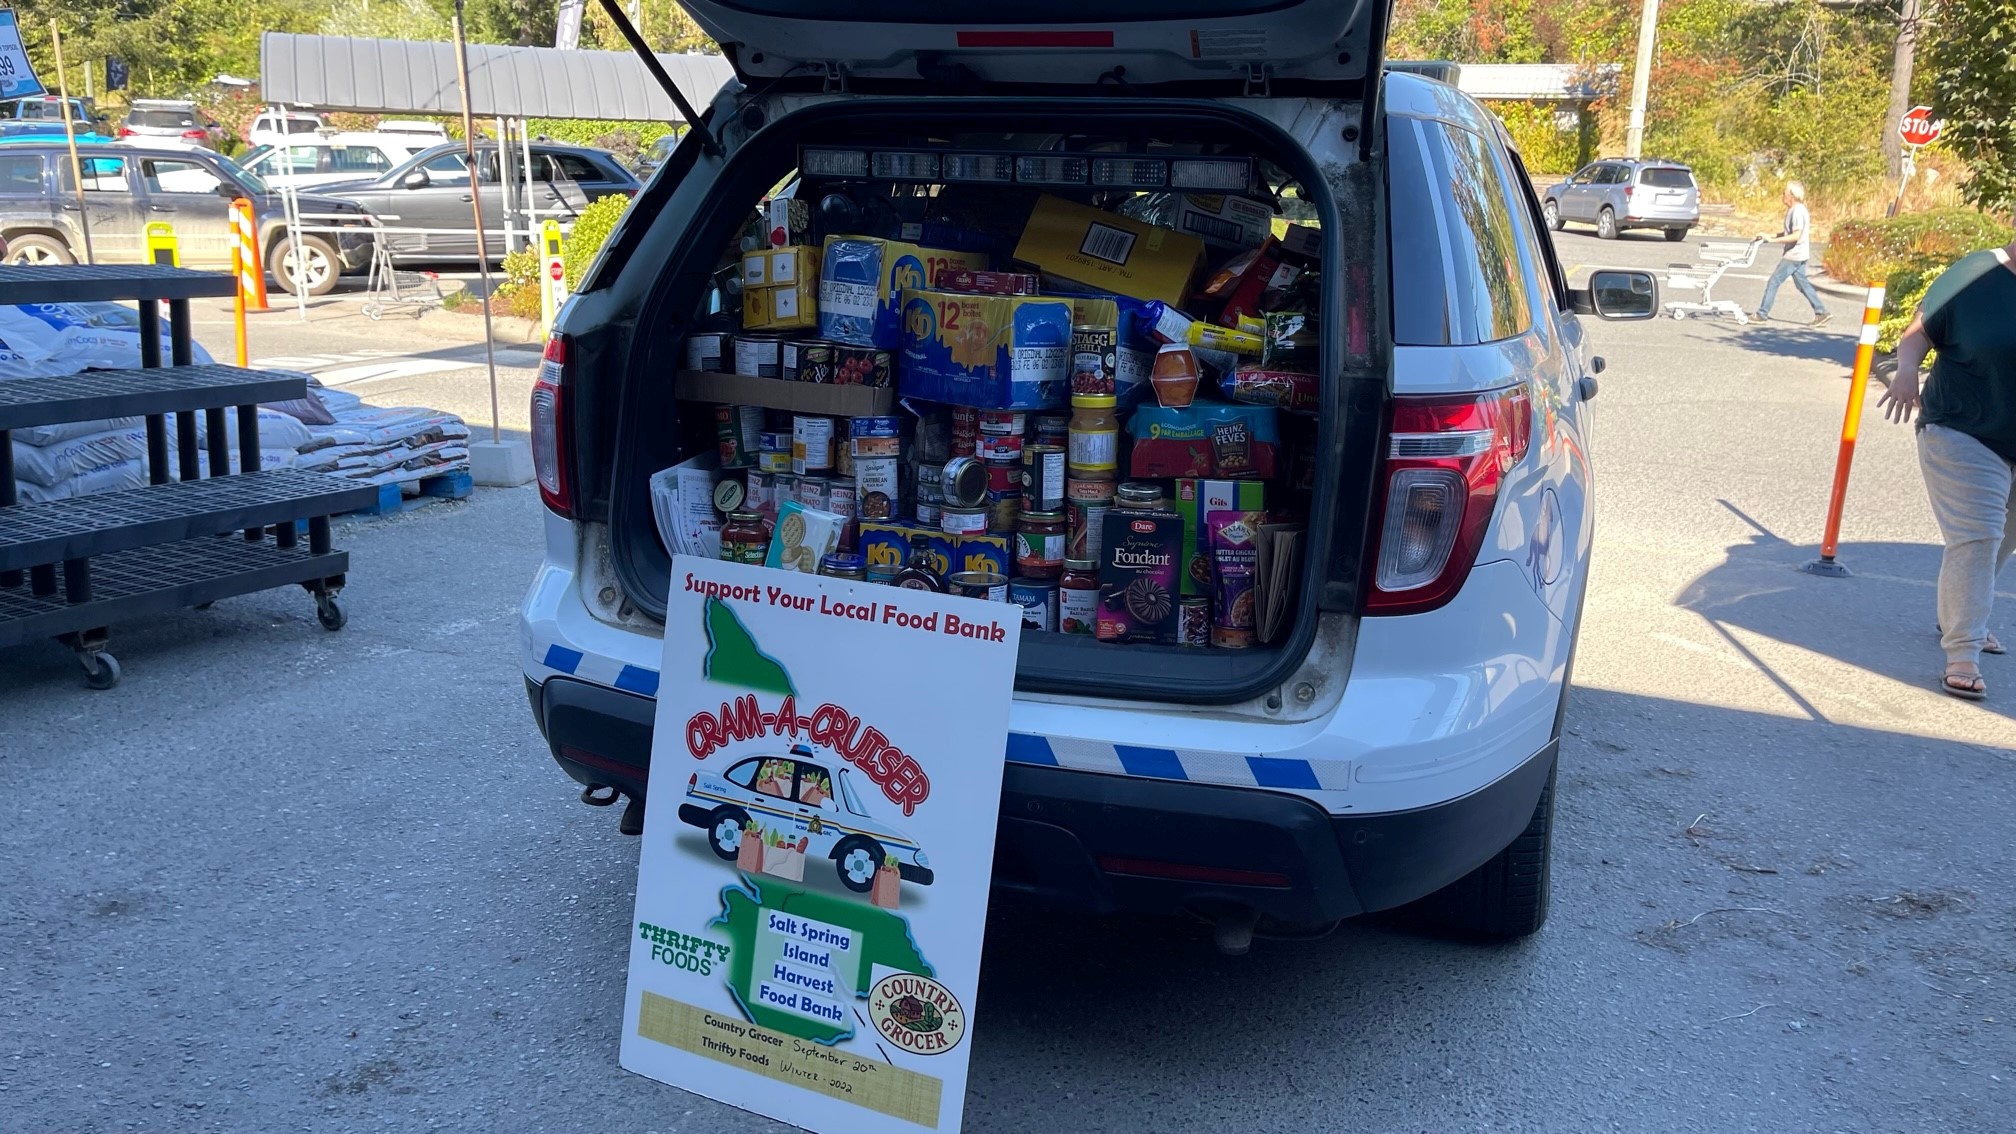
1966, 444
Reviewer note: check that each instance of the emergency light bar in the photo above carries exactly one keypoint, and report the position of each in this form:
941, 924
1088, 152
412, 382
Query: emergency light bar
1106, 171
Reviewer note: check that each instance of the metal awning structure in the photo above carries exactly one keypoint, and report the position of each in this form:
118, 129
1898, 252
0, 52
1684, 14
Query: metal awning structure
1539, 82
397, 76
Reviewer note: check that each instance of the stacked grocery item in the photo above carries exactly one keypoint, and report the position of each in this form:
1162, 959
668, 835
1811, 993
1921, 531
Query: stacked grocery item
1106, 415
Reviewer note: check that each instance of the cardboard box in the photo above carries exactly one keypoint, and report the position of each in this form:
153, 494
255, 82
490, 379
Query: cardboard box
885, 543
755, 308
861, 284
1196, 499
989, 283
774, 266
786, 221
1138, 572
1232, 223
985, 553
989, 351
1105, 250
775, 393
1204, 439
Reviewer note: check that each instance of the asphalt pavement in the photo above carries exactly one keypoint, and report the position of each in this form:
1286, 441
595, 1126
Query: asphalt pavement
282, 879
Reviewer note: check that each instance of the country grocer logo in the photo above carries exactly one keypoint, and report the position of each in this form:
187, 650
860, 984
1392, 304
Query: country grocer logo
917, 1014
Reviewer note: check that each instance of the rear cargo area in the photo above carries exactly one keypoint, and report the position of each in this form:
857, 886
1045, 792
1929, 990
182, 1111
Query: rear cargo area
1105, 374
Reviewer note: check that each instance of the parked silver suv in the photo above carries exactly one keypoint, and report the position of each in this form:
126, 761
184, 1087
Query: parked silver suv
1623, 193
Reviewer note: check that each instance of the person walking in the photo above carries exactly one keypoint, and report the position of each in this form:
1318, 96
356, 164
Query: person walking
1966, 444
1798, 240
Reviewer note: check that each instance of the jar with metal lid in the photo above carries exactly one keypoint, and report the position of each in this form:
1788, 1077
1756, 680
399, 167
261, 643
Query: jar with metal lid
1078, 597
1139, 496
841, 565
883, 574
744, 538
1039, 545
1094, 442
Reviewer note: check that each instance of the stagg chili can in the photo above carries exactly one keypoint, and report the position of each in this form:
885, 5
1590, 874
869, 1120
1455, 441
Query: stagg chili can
1091, 360
1043, 477
1038, 600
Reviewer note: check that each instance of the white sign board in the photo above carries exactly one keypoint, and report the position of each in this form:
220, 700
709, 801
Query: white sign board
818, 845
17, 75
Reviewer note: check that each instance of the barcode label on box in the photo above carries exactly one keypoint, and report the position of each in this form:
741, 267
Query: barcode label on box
1104, 242
1215, 228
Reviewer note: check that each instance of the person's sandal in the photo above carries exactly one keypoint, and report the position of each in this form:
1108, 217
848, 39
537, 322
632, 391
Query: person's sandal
1966, 686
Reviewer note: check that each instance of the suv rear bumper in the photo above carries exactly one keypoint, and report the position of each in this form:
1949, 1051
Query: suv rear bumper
1111, 843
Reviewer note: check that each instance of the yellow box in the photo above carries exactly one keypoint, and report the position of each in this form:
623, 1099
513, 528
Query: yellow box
790, 307
792, 265
755, 269
755, 308
1108, 251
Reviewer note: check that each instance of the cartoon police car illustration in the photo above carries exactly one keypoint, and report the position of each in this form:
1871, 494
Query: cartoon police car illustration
797, 797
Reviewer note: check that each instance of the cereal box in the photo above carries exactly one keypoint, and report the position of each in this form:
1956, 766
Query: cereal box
990, 351
861, 285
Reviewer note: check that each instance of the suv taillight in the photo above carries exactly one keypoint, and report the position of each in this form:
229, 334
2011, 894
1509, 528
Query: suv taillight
1446, 458
549, 428
126, 132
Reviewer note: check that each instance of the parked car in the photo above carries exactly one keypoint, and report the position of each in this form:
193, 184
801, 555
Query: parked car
327, 159
151, 119
272, 127
798, 797
1627, 193
127, 187
430, 193
413, 126
654, 155
1397, 745
46, 111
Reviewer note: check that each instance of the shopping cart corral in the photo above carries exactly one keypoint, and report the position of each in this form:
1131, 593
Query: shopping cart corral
1717, 258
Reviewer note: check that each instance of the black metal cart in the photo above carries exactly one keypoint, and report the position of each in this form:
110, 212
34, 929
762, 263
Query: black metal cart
174, 542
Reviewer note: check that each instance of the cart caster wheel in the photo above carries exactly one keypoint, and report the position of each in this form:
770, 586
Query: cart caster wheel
330, 614
1679, 315
101, 671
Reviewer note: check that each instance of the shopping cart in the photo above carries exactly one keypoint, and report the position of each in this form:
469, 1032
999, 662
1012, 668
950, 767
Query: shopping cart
1717, 258
390, 289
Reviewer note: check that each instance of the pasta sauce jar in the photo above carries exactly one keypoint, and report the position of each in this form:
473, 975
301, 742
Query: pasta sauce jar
1039, 545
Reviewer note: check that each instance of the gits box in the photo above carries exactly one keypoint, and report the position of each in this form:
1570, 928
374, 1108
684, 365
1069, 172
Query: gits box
1196, 499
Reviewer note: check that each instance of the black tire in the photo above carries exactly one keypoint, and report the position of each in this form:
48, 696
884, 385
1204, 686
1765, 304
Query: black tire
1606, 224
1553, 212
1676, 235
33, 248
325, 267
718, 822
331, 614
1507, 897
849, 846
103, 672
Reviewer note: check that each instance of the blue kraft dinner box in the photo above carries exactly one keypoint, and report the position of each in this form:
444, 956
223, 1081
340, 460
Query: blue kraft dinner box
988, 351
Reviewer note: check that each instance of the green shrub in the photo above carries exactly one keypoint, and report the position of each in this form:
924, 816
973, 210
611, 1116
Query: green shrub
591, 231
1902, 293
1863, 251
624, 139
1545, 145
518, 292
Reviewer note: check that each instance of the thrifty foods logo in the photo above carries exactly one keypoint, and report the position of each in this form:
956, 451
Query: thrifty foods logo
682, 950
917, 1014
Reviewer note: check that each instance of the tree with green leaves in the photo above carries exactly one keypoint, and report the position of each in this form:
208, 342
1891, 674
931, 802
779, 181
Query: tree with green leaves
1974, 90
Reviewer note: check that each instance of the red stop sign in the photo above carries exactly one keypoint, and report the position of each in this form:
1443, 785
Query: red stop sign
554, 271
1917, 128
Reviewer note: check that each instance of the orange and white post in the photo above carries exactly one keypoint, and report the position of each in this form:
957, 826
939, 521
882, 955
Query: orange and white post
246, 266
1851, 426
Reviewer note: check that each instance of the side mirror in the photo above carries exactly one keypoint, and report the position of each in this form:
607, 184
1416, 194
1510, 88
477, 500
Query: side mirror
417, 179
1617, 294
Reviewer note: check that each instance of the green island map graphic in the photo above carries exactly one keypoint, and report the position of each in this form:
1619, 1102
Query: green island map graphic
798, 960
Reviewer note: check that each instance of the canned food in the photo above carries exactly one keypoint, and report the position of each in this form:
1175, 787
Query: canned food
1043, 478
883, 574
965, 430
860, 366
806, 361
760, 355
999, 447
811, 444
729, 495
761, 493
706, 351
929, 513
963, 521
815, 492
1053, 429
1193, 625
1139, 496
1005, 475
966, 480
1038, 600
843, 448
1002, 422
1092, 360
978, 584
841, 500
843, 565
786, 490
773, 452
738, 432
877, 487
1039, 544
875, 436
1004, 512
1085, 539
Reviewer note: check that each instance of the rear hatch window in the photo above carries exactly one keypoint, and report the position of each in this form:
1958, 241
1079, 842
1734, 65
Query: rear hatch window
162, 119
1080, 375
1666, 177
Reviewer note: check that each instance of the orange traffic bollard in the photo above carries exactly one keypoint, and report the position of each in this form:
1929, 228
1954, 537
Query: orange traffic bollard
1851, 426
245, 266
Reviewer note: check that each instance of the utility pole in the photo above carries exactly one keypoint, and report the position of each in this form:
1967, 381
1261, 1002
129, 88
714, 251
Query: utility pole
1900, 87
1641, 80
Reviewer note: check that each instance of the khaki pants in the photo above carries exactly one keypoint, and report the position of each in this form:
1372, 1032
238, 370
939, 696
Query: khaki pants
1973, 495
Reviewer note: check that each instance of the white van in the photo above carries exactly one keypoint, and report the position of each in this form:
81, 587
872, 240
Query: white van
273, 127
1396, 743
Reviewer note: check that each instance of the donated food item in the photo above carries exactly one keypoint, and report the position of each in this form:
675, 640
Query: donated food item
1092, 359
1078, 597
978, 584
1262, 386
1039, 545
737, 434
1105, 250
861, 366
1195, 501
803, 537
1087, 501
1235, 556
986, 552
1227, 339
1193, 621
1138, 587
919, 573
1221, 221
992, 351
811, 445
806, 360
1293, 341
744, 538
1175, 375
1043, 478
707, 350
1206, 439
786, 221
984, 283
884, 543
780, 288
840, 565
861, 285
759, 355
1038, 600
1094, 438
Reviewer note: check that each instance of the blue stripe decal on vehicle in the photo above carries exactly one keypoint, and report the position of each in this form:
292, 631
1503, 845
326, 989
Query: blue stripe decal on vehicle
1026, 749
634, 679
563, 659
1270, 771
1161, 763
